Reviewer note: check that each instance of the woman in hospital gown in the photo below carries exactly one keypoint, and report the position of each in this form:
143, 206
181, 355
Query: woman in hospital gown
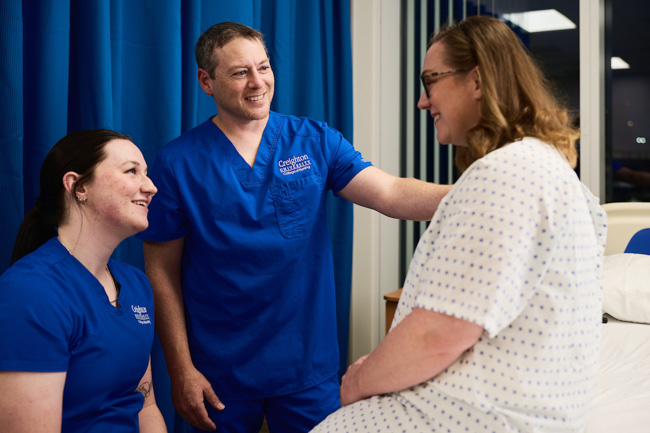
497, 329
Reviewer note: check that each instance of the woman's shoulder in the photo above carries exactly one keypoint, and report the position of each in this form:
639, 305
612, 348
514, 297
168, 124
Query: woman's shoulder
525, 147
529, 157
36, 287
34, 269
522, 172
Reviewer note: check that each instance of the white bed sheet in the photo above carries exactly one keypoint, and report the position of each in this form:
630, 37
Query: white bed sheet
622, 401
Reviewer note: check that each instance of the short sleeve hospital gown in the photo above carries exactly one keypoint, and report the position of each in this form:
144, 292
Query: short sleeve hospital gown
515, 247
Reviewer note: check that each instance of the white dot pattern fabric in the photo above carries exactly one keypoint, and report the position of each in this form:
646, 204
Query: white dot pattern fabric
516, 247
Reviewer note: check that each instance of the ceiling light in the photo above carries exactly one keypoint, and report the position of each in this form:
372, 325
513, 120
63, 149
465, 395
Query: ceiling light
540, 21
618, 63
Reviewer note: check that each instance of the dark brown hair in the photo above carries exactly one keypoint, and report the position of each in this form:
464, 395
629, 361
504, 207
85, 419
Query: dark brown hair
80, 152
216, 37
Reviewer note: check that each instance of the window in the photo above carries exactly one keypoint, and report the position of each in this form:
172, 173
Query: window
556, 51
628, 101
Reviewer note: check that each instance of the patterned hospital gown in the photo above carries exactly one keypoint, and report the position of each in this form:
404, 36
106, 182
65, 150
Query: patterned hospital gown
516, 247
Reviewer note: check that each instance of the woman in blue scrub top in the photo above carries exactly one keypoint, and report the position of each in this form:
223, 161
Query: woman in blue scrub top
76, 327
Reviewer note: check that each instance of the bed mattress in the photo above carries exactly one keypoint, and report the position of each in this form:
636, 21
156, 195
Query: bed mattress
622, 401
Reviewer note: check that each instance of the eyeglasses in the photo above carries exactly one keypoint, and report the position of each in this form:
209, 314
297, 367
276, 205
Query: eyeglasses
427, 81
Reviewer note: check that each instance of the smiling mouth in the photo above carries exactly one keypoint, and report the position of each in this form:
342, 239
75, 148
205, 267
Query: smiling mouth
141, 203
255, 98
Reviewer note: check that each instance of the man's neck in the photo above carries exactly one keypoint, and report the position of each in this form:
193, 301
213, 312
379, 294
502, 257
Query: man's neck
244, 135
239, 127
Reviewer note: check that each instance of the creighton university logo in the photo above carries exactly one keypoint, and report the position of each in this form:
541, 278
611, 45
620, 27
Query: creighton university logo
294, 164
141, 315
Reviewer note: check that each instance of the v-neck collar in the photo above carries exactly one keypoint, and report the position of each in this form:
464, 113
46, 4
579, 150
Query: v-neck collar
263, 159
92, 281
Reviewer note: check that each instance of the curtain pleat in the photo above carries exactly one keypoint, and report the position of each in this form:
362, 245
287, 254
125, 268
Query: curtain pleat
68, 65
11, 126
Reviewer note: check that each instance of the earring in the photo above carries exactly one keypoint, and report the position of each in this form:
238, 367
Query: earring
82, 200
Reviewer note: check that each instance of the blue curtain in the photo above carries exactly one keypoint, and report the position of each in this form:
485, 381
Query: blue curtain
129, 65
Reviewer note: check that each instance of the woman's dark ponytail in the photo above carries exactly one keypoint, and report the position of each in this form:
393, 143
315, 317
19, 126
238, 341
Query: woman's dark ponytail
34, 231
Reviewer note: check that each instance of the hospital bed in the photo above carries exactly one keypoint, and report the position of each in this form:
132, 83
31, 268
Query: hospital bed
622, 400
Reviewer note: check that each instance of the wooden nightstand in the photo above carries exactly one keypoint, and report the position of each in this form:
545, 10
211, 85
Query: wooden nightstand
392, 299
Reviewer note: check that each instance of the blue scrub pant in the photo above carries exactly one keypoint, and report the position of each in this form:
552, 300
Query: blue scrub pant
293, 413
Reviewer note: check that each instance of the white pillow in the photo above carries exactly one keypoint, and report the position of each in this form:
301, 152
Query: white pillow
626, 287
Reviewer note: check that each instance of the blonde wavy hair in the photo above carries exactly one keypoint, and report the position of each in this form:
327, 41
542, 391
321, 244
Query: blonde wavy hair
517, 101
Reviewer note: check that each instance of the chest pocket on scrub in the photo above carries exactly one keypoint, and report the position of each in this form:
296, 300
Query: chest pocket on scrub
296, 204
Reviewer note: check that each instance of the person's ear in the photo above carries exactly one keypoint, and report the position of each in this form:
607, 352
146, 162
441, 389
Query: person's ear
205, 81
69, 181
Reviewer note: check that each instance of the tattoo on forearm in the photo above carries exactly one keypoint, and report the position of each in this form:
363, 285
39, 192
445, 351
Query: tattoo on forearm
145, 389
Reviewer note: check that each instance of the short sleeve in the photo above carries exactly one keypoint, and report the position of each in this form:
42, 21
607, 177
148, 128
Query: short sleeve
345, 161
35, 326
493, 246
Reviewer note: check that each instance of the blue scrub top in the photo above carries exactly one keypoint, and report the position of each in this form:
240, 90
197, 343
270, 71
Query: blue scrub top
257, 271
55, 317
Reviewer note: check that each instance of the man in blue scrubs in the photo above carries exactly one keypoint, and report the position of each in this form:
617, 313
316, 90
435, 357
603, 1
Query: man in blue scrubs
238, 251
